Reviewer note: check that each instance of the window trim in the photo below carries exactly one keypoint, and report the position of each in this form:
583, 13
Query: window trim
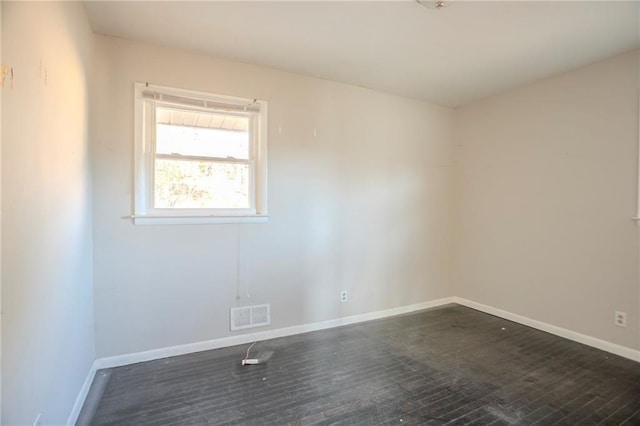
144, 159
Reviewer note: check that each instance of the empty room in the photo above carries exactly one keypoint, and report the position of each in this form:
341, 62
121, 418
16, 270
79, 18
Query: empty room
320, 212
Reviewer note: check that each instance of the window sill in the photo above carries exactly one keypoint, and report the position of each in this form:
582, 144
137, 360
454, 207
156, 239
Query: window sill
196, 220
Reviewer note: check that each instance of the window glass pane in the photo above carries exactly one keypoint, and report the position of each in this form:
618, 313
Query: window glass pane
202, 134
184, 184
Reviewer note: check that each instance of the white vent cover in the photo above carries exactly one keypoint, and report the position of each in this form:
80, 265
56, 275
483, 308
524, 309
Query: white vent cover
250, 316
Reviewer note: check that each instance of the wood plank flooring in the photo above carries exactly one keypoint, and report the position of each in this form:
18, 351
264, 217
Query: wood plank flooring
448, 365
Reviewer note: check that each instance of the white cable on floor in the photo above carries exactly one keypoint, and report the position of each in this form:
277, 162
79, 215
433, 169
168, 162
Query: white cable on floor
249, 348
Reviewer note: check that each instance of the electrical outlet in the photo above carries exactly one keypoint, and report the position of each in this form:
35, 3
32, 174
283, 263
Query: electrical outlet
343, 296
620, 319
36, 422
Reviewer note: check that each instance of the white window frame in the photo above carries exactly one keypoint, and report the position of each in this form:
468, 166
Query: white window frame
147, 98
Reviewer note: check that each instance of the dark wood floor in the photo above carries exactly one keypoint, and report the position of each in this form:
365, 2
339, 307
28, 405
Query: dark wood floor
445, 365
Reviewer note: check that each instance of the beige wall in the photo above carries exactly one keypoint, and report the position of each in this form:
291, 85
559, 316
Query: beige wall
545, 183
545, 191
47, 300
362, 206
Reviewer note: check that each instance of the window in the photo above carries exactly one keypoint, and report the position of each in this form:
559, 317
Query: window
200, 158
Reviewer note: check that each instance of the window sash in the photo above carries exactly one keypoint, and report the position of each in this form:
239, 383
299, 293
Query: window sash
215, 210
252, 130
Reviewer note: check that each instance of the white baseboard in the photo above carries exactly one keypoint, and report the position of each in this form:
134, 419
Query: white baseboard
614, 348
82, 396
127, 359
120, 360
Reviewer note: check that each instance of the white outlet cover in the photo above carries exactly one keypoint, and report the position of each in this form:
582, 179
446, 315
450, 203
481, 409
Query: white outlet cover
620, 319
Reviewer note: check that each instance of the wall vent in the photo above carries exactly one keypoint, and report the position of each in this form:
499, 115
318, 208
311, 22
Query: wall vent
250, 316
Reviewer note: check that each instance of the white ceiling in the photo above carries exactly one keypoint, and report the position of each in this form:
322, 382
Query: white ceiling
463, 52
